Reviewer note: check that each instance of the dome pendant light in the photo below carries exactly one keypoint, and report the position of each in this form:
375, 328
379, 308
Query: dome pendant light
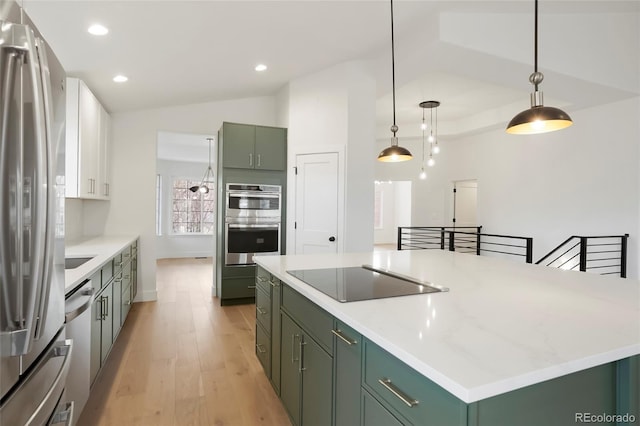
539, 118
394, 153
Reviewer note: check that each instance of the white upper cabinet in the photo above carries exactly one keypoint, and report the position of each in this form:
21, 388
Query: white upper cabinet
87, 144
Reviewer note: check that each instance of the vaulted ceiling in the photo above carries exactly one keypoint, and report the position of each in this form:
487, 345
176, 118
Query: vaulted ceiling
473, 56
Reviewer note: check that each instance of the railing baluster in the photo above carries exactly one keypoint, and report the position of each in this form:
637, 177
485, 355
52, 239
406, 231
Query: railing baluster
583, 254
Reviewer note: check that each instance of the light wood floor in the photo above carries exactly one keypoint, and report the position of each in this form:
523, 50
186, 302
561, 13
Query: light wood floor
184, 360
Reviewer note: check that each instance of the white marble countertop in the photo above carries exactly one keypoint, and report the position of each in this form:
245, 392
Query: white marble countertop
502, 326
100, 248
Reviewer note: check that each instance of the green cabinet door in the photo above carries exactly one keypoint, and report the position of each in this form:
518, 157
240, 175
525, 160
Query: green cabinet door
317, 369
270, 148
107, 322
96, 330
348, 374
374, 414
238, 145
116, 306
275, 333
290, 377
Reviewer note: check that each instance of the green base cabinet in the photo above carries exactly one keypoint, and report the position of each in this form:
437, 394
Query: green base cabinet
306, 377
329, 374
115, 286
268, 325
347, 379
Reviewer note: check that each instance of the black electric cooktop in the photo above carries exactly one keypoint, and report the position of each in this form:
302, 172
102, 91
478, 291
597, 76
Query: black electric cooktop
362, 283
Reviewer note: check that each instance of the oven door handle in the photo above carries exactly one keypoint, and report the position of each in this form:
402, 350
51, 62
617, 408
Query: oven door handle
233, 194
253, 225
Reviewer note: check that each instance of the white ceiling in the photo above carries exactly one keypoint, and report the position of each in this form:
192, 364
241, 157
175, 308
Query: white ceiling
473, 56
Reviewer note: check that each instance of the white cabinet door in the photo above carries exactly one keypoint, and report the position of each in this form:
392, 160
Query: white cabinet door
104, 181
87, 144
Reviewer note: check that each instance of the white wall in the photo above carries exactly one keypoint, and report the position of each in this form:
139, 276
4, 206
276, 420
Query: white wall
336, 108
583, 180
132, 205
169, 245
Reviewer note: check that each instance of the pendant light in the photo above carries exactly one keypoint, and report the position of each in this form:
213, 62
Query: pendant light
423, 127
394, 153
433, 136
208, 176
538, 118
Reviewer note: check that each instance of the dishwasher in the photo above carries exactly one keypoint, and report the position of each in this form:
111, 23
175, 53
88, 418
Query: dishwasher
78, 328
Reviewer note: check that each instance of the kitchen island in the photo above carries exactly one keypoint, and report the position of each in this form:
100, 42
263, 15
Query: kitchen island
503, 328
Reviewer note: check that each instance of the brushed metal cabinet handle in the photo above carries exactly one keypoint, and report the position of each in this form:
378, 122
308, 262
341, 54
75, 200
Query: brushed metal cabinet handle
301, 354
251, 159
262, 279
258, 165
260, 348
251, 286
261, 310
340, 334
410, 402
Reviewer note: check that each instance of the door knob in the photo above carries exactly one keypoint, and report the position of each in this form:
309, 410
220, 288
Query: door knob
332, 239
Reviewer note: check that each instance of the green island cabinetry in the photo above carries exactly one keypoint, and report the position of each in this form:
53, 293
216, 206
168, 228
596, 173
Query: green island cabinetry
268, 326
115, 285
331, 375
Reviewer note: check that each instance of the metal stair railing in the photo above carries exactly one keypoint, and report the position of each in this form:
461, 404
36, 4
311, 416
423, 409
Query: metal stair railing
602, 254
461, 239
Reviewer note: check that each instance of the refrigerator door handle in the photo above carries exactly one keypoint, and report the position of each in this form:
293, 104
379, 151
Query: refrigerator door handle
29, 289
14, 333
47, 197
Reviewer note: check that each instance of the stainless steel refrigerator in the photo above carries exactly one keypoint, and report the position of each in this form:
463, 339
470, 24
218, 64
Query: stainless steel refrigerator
34, 355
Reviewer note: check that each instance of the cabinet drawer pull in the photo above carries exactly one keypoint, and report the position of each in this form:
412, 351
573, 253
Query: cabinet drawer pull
251, 159
261, 311
300, 354
260, 348
251, 286
344, 338
274, 284
262, 279
258, 165
410, 402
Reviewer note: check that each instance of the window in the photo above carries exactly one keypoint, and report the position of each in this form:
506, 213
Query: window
193, 212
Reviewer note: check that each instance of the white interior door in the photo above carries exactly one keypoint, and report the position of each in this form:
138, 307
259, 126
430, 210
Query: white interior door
317, 191
465, 203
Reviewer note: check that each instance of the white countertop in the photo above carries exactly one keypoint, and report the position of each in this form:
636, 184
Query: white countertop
502, 326
100, 248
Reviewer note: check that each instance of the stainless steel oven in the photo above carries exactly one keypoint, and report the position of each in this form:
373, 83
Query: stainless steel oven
244, 240
252, 222
248, 201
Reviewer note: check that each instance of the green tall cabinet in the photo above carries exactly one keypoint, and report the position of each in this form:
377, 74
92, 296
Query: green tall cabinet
247, 154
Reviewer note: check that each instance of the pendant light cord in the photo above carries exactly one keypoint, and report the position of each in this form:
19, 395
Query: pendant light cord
535, 42
393, 73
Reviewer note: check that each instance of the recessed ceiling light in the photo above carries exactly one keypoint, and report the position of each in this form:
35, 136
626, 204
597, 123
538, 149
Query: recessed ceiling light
97, 29
261, 67
120, 78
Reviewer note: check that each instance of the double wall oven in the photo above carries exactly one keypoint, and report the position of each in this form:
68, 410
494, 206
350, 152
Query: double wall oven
253, 216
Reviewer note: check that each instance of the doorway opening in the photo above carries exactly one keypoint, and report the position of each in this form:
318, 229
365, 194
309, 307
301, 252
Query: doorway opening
465, 203
392, 208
